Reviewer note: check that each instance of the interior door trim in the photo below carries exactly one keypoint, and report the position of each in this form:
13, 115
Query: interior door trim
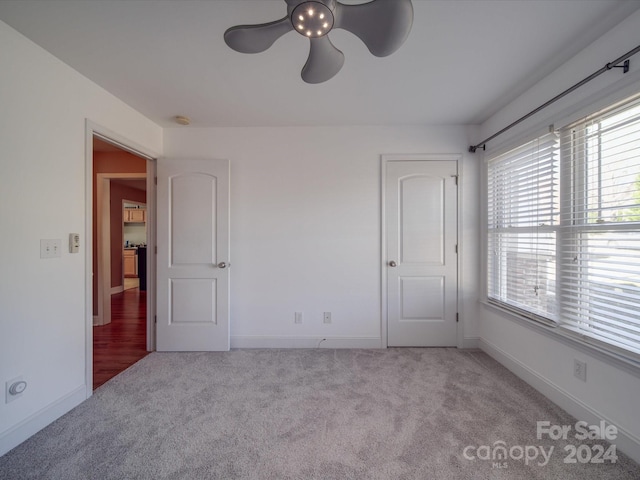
93, 129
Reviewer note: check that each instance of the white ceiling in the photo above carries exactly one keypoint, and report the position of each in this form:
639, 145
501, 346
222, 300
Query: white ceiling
463, 60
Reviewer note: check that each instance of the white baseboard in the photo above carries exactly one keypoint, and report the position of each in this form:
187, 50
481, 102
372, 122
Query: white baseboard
247, 341
625, 441
33, 424
117, 289
470, 342
257, 341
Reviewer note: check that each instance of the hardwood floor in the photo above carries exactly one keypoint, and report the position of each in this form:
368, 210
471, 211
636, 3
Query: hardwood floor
121, 343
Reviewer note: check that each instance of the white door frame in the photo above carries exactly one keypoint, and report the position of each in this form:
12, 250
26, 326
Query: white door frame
384, 160
92, 129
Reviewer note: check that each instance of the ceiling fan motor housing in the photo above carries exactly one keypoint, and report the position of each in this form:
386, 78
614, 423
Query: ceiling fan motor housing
312, 18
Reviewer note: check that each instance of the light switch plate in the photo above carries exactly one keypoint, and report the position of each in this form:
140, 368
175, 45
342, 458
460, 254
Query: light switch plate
50, 248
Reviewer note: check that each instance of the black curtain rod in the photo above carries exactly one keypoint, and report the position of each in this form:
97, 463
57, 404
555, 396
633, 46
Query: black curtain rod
606, 68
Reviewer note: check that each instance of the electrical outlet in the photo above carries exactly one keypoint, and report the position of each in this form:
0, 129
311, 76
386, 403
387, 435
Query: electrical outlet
327, 317
580, 370
298, 318
14, 389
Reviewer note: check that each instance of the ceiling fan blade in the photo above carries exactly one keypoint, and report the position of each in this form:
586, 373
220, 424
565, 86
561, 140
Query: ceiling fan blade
324, 61
256, 38
383, 25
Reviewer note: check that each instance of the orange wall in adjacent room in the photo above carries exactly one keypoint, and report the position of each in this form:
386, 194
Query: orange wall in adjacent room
118, 194
114, 162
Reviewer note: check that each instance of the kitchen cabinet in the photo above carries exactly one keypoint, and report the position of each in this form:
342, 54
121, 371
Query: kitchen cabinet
130, 264
134, 215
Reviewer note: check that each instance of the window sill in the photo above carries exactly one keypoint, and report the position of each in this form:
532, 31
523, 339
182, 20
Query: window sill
559, 334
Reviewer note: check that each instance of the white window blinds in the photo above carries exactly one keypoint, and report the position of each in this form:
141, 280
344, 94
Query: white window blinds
523, 216
563, 230
600, 234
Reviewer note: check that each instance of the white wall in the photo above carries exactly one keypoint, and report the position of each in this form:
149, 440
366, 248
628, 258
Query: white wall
42, 196
306, 226
135, 234
612, 390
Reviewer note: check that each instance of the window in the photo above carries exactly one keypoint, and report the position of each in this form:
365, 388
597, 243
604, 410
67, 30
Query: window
523, 217
564, 229
600, 261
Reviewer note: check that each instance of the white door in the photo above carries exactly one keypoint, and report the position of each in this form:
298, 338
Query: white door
421, 253
193, 255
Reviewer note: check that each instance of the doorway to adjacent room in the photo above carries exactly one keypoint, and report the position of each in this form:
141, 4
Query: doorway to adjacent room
119, 260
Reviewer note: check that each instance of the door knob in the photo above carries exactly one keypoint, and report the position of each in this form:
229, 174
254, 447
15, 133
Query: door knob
393, 264
222, 265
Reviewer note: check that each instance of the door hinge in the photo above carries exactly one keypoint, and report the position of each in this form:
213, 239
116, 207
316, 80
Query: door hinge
456, 178
155, 180
155, 249
456, 248
457, 317
155, 319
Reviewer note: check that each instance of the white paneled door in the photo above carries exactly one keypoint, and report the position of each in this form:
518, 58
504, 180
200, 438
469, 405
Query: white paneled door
421, 263
193, 255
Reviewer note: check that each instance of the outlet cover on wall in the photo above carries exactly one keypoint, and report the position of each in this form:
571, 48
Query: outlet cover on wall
580, 370
14, 389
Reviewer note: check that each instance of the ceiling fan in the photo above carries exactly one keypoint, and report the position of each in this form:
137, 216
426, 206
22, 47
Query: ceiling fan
383, 26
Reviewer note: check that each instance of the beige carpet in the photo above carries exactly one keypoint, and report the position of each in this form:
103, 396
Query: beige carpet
310, 414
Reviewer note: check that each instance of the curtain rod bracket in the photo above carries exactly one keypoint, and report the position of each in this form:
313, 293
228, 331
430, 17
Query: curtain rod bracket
473, 148
624, 66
